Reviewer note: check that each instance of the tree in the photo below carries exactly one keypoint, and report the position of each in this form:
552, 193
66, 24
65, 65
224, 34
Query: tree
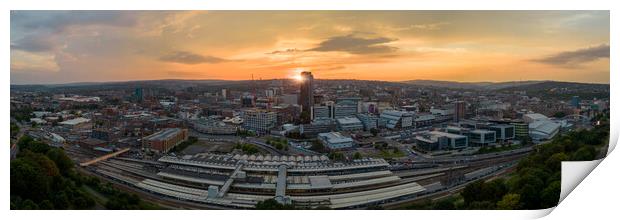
509, 201
472, 192
481, 205
583, 154
555, 161
27, 181
445, 204
272, 204
357, 156
62, 161
550, 196
14, 129
559, 115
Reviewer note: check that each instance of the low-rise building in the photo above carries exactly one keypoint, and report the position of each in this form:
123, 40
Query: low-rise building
543, 130
316, 127
76, 123
437, 140
503, 131
213, 127
521, 129
349, 124
335, 140
369, 121
480, 137
396, 119
164, 140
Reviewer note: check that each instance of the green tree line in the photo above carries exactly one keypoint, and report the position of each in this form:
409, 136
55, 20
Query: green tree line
44, 177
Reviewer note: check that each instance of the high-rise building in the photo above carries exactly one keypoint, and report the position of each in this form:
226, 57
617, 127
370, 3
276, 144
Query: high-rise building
459, 111
139, 94
306, 91
224, 93
248, 101
575, 101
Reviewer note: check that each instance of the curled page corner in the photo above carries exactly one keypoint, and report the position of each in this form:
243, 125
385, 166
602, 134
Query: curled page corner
573, 172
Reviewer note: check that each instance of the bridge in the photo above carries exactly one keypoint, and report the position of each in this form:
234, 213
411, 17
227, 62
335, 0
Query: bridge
104, 157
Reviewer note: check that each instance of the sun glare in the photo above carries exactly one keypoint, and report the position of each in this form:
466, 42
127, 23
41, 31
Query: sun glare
298, 78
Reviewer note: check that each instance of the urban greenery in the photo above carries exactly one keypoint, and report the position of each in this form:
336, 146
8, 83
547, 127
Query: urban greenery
272, 204
278, 143
246, 148
14, 129
43, 177
22, 114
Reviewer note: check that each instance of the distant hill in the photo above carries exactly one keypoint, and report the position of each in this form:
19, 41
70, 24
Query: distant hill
471, 85
563, 90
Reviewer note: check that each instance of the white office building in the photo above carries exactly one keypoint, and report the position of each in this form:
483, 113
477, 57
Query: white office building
259, 121
369, 121
396, 119
349, 124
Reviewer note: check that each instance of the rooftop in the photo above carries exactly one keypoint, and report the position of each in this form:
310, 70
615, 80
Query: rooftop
335, 137
163, 134
75, 121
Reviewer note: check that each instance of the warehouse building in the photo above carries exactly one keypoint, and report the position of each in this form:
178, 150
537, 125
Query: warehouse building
164, 140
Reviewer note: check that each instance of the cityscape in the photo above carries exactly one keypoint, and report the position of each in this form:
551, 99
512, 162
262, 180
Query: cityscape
303, 139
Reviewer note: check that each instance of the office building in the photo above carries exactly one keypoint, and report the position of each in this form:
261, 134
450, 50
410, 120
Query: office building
164, 140
423, 120
369, 121
349, 124
575, 102
459, 111
139, 94
306, 91
259, 121
480, 137
322, 111
316, 127
248, 101
521, 129
224, 94
343, 110
396, 119
503, 131
437, 140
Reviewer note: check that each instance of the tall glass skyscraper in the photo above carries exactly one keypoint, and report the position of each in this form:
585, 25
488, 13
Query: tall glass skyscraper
306, 91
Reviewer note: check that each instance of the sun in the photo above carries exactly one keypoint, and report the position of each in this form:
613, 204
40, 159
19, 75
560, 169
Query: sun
298, 78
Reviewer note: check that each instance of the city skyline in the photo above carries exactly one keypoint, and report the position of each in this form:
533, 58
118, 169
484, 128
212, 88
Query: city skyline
49, 47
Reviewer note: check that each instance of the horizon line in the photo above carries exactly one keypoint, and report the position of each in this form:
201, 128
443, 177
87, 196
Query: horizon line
239, 80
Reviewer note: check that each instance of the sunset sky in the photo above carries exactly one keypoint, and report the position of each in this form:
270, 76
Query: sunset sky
473, 46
